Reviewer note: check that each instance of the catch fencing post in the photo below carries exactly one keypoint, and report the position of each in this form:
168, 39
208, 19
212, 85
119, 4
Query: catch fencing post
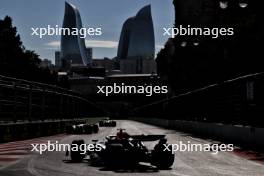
43, 104
15, 103
30, 103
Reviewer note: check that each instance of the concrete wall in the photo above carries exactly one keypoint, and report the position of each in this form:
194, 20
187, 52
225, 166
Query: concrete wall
244, 136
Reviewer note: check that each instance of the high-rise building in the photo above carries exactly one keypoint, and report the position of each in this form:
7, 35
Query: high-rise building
45, 63
57, 59
89, 54
73, 50
137, 36
136, 47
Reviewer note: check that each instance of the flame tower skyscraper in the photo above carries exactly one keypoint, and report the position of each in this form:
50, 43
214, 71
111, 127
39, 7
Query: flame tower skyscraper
73, 49
137, 36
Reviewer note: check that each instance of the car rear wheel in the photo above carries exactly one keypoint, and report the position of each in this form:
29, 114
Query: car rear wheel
162, 159
95, 128
77, 148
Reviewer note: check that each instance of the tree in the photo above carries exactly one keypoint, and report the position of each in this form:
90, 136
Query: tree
16, 61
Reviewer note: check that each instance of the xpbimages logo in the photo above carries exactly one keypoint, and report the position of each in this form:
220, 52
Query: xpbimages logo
197, 31
50, 31
58, 147
195, 147
148, 90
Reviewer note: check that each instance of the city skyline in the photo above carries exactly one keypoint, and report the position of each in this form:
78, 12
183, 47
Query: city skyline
102, 13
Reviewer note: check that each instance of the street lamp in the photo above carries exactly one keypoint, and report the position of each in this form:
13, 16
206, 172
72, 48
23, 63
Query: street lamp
183, 44
223, 4
243, 4
195, 43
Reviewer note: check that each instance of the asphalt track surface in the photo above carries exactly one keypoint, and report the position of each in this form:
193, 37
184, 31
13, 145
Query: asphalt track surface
186, 163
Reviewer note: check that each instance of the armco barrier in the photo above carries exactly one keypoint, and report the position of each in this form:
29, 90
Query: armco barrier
238, 101
27, 130
239, 135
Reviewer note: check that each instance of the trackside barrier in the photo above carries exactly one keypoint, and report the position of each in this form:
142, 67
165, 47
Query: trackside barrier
22, 100
239, 101
21, 131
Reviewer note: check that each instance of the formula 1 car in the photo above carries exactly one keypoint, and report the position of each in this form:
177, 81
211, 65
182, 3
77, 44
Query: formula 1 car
107, 123
124, 150
82, 129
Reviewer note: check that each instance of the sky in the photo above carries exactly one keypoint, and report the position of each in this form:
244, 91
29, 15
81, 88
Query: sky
107, 14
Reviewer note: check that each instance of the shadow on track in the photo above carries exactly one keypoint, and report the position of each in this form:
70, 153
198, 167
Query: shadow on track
140, 168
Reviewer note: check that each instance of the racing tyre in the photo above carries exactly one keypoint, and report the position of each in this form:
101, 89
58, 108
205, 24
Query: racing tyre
113, 124
95, 128
101, 123
162, 159
77, 150
88, 129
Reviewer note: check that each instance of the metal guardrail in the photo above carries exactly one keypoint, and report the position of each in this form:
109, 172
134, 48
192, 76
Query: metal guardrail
22, 100
238, 101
